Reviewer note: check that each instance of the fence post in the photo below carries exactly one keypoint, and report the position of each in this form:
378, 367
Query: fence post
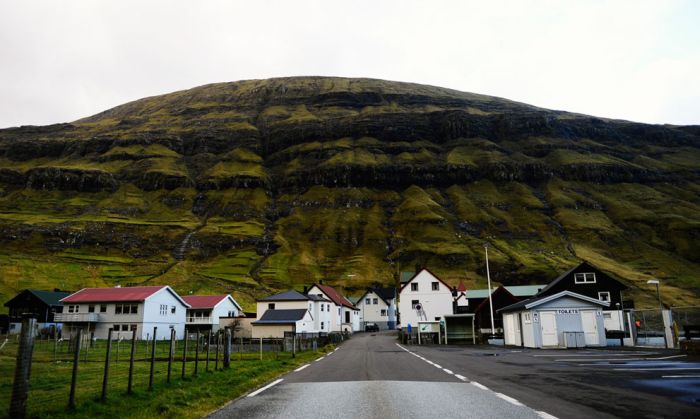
153, 360
218, 344
74, 377
106, 375
131, 361
196, 356
208, 346
294, 345
227, 349
55, 344
261, 348
184, 354
20, 388
171, 354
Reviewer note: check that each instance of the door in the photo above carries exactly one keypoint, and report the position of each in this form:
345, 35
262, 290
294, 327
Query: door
590, 327
548, 323
347, 317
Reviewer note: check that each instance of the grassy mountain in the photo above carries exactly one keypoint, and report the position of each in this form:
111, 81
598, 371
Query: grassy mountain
255, 186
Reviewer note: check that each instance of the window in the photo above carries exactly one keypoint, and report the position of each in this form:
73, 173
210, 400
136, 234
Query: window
310, 307
414, 286
321, 325
163, 309
375, 301
585, 278
103, 308
367, 301
604, 296
125, 327
91, 308
607, 315
328, 306
437, 319
135, 308
383, 313
118, 309
172, 310
73, 309
321, 307
436, 286
527, 318
133, 327
414, 303
271, 306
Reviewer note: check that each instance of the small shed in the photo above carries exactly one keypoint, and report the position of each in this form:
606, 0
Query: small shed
562, 320
459, 329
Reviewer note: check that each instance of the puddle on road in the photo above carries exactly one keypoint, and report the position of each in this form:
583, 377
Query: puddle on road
688, 388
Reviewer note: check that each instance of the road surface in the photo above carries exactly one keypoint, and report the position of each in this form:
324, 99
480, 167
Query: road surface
371, 376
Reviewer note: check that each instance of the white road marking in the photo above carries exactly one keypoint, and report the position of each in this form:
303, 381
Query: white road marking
301, 368
320, 359
545, 415
447, 371
670, 357
509, 399
680, 376
617, 359
437, 366
594, 355
260, 390
481, 386
461, 377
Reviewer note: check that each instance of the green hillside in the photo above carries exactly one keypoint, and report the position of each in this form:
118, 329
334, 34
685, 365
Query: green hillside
256, 186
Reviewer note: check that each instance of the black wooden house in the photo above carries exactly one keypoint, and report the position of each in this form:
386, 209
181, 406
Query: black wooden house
42, 305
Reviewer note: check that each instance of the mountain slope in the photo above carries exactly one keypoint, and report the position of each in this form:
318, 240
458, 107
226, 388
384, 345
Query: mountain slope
260, 185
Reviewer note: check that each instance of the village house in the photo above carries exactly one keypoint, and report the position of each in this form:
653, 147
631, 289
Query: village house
378, 305
125, 310
39, 304
424, 297
346, 317
206, 311
501, 297
292, 312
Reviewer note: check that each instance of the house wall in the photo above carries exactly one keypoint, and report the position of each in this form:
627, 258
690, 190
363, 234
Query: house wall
372, 313
336, 316
435, 304
164, 322
271, 330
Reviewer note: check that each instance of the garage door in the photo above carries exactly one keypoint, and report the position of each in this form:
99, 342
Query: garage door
548, 322
590, 327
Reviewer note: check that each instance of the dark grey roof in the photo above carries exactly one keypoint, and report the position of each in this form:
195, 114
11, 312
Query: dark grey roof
282, 316
317, 298
290, 295
50, 298
567, 273
386, 293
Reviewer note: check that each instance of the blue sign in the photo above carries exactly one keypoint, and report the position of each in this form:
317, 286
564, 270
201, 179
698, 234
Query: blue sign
409, 328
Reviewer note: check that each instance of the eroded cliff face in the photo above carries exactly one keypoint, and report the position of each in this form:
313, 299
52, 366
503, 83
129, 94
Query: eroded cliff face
258, 185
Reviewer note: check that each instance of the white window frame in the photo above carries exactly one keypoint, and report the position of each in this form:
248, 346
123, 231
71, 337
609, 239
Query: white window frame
584, 278
601, 293
383, 313
368, 301
414, 286
375, 301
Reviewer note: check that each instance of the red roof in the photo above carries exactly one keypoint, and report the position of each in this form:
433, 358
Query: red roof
461, 287
335, 296
204, 301
97, 295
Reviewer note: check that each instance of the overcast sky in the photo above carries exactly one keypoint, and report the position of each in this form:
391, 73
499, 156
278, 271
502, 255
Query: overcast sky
636, 60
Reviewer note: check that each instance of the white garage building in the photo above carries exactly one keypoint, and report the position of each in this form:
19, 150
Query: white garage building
562, 320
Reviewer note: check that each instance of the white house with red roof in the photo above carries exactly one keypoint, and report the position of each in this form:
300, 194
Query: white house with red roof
126, 310
424, 297
345, 317
206, 310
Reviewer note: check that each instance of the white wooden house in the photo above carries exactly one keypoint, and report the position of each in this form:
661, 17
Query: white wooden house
126, 310
346, 317
424, 297
378, 305
291, 311
206, 311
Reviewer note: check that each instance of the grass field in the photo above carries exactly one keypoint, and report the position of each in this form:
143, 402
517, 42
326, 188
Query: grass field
182, 397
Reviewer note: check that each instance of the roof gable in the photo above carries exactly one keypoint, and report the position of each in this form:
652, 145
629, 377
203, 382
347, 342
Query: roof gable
208, 301
334, 296
420, 272
581, 267
500, 293
282, 316
543, 299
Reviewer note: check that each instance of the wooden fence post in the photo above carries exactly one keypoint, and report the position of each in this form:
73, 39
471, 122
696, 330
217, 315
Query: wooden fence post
196, 356
208, 346
105, 379
227, 349
74, 377
153, 360
261, 348
131, 361
218, 344
23, 367
184, 354
172, 352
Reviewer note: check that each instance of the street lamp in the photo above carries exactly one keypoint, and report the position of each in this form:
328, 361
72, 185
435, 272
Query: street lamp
658, 294
488, 278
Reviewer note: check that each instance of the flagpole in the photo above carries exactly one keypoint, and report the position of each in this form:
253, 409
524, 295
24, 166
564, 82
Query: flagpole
488, 277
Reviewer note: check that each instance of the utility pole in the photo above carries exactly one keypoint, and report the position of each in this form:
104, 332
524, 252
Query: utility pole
488, 278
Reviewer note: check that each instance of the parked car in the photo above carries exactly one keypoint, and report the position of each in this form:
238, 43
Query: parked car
371, 327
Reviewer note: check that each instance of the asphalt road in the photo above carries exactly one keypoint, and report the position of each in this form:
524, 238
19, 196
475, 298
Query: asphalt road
371, 376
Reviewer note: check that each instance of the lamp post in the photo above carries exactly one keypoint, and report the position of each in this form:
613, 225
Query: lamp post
658, 294
488, 278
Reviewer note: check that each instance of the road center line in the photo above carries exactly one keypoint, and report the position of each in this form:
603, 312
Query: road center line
680, 376
481, 386
301, 368
545, 415
437, 366
461, 377
509, 399
448, 371
260, 390
655, 369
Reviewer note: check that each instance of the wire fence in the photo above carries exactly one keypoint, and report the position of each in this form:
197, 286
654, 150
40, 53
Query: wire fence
107, 370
